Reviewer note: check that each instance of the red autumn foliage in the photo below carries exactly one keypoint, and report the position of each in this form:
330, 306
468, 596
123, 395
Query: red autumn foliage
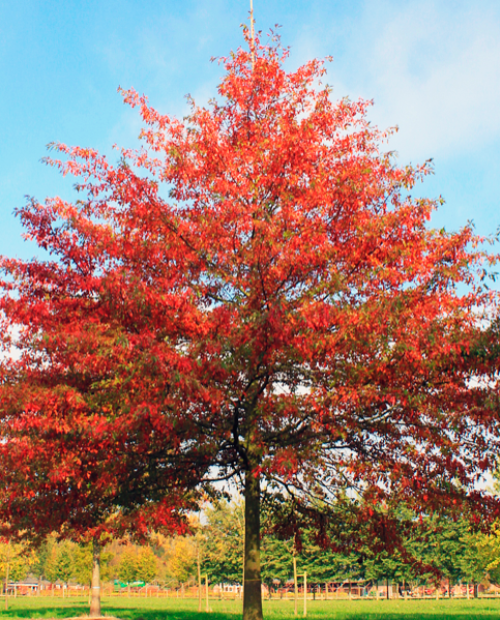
253, 296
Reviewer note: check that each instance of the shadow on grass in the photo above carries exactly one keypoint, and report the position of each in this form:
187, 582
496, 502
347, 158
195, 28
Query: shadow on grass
147, 611
18, 610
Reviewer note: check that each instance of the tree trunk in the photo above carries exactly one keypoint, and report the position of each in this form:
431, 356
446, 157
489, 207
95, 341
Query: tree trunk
95, 587
252, 589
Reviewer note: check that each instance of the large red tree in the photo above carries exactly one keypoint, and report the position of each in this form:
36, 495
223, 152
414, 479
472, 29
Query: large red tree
256, 296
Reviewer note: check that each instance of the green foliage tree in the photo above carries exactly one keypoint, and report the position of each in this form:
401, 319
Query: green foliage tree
490, 548
138, 564
127, 568
147, 564
276, 559
41, 557
222, 542
16, 559
182, 559
474, 559
82, 562
59, 562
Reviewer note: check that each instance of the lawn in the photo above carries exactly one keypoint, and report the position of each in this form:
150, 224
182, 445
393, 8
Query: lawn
187, 609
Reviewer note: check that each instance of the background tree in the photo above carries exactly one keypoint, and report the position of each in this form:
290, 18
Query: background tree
82, 563
222, 546
147, 565
473, 561
182, 560
42, 555
59, 562
15, 561
128, 568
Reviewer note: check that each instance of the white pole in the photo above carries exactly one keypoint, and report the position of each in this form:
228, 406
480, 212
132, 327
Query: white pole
296, 592
252, 35
207, 608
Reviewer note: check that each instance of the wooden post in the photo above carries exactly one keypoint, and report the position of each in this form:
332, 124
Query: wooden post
199, 580
243, 558
207, 608
305, 594
295, 585
7, 583
468, 592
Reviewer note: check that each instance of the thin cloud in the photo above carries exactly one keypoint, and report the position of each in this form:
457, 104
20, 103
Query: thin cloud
432, 67
438, 76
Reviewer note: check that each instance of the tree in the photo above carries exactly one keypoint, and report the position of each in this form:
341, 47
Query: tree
253, 296
182, 559
59, 562
147, 564
473, 560
222, 544
127, 568
137, 564
83, 560
15, 561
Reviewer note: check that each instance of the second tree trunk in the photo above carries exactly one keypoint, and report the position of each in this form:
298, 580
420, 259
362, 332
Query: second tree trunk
95, 586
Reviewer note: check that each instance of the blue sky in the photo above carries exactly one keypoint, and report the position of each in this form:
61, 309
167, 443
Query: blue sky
431, 66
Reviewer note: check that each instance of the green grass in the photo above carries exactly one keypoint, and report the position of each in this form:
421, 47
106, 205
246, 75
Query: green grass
187, 609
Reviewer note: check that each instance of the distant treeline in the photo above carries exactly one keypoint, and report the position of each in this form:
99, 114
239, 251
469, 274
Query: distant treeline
419, 550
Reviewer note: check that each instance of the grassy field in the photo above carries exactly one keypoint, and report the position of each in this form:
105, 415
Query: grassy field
172, 609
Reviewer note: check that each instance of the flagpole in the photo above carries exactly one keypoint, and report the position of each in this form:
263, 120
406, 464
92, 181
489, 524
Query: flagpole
252, 35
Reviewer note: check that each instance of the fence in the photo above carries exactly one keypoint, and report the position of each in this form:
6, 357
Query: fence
320, 593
